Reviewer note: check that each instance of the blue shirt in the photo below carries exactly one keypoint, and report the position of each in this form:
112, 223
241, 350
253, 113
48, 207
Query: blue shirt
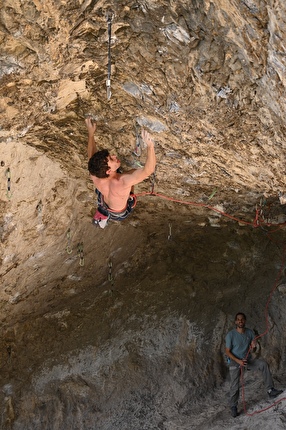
238, 343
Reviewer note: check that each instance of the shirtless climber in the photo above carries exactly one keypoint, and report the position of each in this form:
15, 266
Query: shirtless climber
114, 190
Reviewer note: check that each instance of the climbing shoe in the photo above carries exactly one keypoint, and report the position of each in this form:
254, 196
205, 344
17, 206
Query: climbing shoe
234, 412
274, 393
99, 219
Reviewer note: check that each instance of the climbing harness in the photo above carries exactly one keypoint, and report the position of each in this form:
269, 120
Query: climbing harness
109, 19
103, 213
8, 176
68, 247
80, 253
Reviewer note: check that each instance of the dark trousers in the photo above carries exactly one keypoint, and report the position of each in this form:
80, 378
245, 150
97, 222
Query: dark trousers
235, 373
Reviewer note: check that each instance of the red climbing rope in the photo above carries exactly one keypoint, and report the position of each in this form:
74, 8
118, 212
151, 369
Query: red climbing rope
257, 222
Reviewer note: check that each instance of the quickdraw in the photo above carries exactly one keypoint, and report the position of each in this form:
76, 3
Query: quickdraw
137, 151
258, 216
80, 253
8, 176
39, 210
68, 247
170, 232
109, 19
110, 277
212, 194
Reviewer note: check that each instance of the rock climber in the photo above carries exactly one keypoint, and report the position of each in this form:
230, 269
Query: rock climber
116, 199
239, 342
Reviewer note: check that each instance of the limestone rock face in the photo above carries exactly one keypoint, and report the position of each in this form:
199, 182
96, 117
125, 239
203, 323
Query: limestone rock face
124, 327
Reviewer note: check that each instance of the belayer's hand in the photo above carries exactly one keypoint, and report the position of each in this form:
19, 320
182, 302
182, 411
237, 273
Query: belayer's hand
253, 344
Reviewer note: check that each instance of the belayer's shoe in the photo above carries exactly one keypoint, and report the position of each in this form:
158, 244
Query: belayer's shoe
274, 393
234, 412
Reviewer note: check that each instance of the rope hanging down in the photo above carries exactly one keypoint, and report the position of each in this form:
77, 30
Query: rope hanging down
108, 81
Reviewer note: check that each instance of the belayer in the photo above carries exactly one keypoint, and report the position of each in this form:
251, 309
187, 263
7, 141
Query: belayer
239, 342
115, 190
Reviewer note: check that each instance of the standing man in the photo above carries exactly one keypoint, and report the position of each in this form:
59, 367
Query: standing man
115, 197
239, 342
